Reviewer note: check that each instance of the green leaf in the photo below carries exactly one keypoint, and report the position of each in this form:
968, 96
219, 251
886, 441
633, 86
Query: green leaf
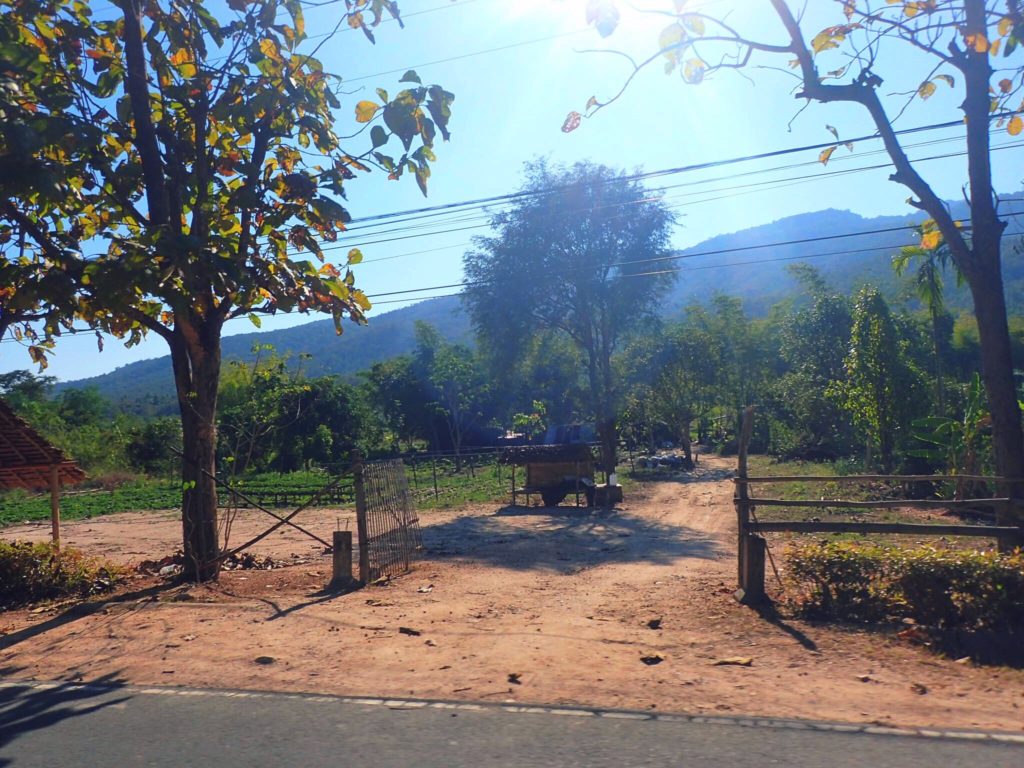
410, 77
355, 256
378, 136
255, 320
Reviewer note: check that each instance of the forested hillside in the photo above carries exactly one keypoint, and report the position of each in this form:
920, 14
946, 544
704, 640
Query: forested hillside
738, 263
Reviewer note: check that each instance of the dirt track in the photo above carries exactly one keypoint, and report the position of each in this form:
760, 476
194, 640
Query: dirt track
557, 601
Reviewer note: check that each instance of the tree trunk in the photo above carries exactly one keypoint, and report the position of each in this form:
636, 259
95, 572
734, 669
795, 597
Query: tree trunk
196, 364
684, 440
997, 374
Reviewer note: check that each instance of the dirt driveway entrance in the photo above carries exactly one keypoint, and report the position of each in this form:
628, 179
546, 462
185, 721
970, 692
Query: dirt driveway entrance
630, 608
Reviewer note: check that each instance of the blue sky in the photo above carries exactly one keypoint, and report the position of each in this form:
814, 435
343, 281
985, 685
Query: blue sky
510, 105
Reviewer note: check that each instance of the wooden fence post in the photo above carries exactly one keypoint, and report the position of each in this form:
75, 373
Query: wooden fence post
361, 521
55, 504
433, 468
751, 549
341, 576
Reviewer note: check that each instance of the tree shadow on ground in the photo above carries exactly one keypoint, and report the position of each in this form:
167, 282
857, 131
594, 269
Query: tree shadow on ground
564, 539
81, 611
25, 708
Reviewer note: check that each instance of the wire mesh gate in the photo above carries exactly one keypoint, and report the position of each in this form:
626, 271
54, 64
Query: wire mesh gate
389, 528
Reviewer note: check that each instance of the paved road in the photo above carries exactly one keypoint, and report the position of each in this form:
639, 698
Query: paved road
76, 726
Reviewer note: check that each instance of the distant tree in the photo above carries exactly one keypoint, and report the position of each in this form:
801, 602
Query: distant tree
163, 172
880, 390
581, 251
930, 287
400, 399
323, 421
19, 388
813, 343
79, 407
154, 446
671, 378
457, 383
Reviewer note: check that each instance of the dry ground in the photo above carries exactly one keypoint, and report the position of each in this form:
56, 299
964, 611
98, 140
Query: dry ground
510, 604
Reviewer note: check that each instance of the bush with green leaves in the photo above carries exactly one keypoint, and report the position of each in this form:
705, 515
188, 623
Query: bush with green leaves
32, 572
936, 586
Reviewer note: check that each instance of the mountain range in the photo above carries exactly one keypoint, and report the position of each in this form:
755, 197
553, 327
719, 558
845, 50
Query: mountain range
846, 248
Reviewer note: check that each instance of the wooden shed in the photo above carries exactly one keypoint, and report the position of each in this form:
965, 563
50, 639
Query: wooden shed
30, 461
553, 471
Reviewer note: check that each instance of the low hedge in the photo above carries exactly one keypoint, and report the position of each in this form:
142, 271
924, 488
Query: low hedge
935, 586
33, 572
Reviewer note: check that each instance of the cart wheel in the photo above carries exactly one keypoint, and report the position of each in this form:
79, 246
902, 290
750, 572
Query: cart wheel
552, 498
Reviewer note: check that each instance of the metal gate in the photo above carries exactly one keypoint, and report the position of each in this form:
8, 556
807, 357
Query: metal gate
389, 528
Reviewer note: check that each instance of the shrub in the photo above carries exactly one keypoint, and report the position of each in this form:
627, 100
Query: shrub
32, 572
935, 586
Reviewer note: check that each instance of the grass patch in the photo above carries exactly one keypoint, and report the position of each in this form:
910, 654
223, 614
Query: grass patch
33, 572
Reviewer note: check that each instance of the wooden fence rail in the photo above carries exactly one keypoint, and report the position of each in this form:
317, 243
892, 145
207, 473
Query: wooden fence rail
752, 549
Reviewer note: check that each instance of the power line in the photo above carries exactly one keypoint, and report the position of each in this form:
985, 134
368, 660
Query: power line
736, 190
671, 257
684, 269
664, 171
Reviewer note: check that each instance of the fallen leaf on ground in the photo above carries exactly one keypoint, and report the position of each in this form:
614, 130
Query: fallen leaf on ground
864, 678
410, 631
654, 624
734, 661
264, 659
515, 677
655, 658
188, 638
428, 588
919, 689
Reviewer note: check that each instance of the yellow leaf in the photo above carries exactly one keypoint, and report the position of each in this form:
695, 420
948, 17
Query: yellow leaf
825, 155
269, 49
996, 46
927, 89
947, 79
670, 37
930, 240
822, 42
365, 110
1005, 26
182, 61
1016, 125
355, 20
355, 256
693, 72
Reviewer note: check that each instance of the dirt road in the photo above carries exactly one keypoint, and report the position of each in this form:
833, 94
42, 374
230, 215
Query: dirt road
629, 608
